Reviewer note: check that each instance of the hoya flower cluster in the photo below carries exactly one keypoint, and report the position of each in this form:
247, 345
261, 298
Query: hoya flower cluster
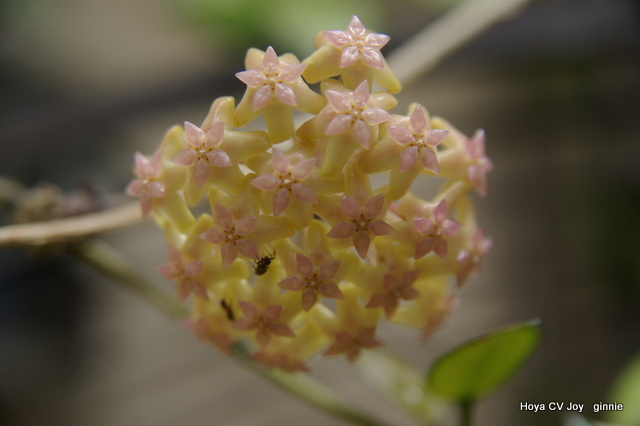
301, 239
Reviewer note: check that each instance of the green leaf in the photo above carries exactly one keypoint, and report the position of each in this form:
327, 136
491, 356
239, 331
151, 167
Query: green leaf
483, 364
626, 391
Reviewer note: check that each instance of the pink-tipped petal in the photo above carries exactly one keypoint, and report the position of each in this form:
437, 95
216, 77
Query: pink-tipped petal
374, 206
328, 270
303, 169
401, 134
338, 101
146, 203
339, 124
213, 235
375, 116
272, 313
342, 230
193, 269
361, 94
436, 136
440, 248
182, 291
350, 207
198, 289
280, 162
249, 309
280, 201
408, 158
450, 228
224, 217
355, 27
281, 329
361, 134
135, 188
245, 225
349, 56
270, 62
194, 134
430, 160
304, 265
441, 212
380, 227
372, 57
376, 41
423, 225
331, 290
292, 283
248, 248
261, 97
309, 298
156, 189
251, 78
292, 72
227, 254
168, 271
418, 121
338, 38
361, 242
263, 336
303, 193
215, 135
202, 172
186, 157
285, 94
219, 158
266, 182
424, 247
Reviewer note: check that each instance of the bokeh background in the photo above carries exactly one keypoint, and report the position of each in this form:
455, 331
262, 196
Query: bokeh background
85, 83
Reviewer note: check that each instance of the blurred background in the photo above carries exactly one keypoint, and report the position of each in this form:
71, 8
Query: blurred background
84, 84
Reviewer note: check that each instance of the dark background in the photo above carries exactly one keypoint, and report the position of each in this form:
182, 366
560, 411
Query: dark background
84, 84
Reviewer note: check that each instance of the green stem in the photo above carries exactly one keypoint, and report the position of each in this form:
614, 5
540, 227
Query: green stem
112, 263
465, 408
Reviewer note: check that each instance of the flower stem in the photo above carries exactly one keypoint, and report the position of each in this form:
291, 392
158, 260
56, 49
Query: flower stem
112, 263
465, 407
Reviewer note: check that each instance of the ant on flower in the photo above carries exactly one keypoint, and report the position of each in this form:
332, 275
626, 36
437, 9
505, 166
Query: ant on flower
231, 316
262, 263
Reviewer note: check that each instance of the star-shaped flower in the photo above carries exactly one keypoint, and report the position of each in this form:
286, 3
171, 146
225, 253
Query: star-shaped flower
352, 344
469, 259
231, 235
353, 112
357, 44
203, 152
312, 280
436, 229
364, 223
395, 289
147, 186
286, 180
479, 163
273, 80
266, 323
420, 141
184, 274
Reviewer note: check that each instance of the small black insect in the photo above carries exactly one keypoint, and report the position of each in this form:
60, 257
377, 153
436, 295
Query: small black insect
227, 308
262, 263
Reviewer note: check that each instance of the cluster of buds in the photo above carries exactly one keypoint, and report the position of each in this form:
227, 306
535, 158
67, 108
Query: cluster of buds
302, 239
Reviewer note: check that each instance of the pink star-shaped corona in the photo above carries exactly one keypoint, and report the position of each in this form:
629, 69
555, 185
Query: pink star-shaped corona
479, 163
287, 180
146, 186
232, 235
420, 141
350, 344
353, 112
436, 229
358, 44
394, 290
469, 259
184, 274
273, 80
266, 323
203, 151
364, 223
312, 280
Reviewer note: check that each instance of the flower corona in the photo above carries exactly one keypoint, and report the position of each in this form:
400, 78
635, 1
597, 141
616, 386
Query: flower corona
315, 233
